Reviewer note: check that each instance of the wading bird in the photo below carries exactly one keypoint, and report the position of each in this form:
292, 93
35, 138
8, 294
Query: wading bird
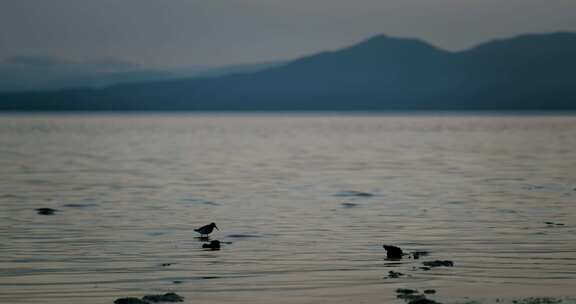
206, 230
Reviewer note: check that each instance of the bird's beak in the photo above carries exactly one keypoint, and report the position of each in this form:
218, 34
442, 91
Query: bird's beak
216, 227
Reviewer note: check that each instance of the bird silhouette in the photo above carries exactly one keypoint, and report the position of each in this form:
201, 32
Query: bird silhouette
206, 229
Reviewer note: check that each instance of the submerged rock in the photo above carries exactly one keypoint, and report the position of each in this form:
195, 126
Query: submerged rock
80, 205
214, 245
46, 211
438, 263
417, 254
536, 300
409, 297
349, 205
422, 300
406, 291
412, 296
353, 193
393, 252
129, 301
168, 297
394, 274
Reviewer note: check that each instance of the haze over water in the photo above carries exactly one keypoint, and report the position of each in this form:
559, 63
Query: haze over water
477, 190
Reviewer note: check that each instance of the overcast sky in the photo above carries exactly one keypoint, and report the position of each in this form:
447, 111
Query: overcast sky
217, 32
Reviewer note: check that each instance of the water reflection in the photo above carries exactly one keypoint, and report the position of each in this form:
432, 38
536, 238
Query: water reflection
305, 205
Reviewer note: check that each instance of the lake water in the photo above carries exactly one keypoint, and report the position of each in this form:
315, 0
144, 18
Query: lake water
477, 190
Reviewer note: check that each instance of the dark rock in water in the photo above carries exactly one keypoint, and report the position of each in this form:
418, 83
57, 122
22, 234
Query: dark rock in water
417, 254
129, 301
438, 263
168, 297
422, 300
349, 205
406, 291
214, 245
166, 264
409, 297
354, 194
553, 224
538, 300
80, 205
394, 274
177, 282
46, 211
393, 252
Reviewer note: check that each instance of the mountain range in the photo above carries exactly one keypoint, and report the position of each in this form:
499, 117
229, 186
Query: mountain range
34, 73
528, 72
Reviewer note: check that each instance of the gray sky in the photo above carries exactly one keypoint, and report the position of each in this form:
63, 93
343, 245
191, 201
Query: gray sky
217, 32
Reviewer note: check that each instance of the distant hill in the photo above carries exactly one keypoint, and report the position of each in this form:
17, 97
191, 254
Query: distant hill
529, 72
34, 73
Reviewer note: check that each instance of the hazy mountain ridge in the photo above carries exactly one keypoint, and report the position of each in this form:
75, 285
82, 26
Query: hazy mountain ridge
528, 72
37, 73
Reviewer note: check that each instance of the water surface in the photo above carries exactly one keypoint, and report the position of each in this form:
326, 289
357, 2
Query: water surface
305, 203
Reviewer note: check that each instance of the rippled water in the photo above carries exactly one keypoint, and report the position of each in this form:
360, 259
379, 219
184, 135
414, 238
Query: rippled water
476, 190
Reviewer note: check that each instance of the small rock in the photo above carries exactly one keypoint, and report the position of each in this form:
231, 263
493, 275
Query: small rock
166, 264
354, 194
394, 274
80, 205
417, 254
46, 211
129, 301
393, 252
177, 282
168, 297
423, 300
410, 297
349, 205
536, 300
214, 245
429, 291
406, 291
438, 263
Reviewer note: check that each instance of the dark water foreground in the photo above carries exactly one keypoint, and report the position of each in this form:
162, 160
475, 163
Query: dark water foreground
304, 204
